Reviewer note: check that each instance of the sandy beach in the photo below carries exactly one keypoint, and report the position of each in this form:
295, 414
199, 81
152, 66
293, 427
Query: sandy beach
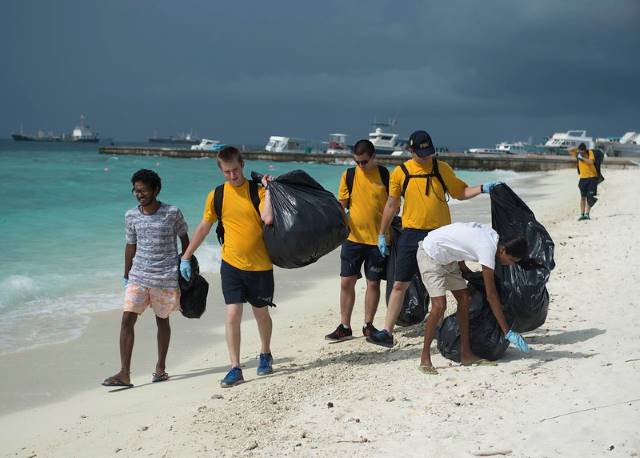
575, 394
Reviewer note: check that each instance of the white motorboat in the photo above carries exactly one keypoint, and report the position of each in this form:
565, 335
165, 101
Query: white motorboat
560, 142
627, 145
278, 144
512, 148
208, 145
386, 142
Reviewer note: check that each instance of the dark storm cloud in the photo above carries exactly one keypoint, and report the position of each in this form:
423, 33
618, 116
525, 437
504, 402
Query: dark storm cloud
471, 72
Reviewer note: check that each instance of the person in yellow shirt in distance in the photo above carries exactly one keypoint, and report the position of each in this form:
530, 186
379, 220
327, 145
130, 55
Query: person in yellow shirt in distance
588, 182
425, 184
246, 272
365, 203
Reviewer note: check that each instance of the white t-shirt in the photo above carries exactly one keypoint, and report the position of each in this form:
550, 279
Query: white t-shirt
462, 242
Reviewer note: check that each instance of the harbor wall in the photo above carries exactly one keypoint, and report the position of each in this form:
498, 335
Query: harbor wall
518, 163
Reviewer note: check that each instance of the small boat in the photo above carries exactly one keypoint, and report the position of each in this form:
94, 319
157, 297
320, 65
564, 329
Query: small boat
279, 144
560, 142
338, 144
386, 142
627, 145
512, 148
208, 145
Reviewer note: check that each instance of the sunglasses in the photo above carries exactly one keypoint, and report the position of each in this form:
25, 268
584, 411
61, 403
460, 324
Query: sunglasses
362, 163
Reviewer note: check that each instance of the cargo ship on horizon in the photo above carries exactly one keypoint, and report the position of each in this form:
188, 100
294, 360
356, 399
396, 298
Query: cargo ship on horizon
80, 134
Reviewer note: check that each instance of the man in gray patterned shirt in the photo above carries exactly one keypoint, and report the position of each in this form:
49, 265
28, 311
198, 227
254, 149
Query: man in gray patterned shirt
150, 270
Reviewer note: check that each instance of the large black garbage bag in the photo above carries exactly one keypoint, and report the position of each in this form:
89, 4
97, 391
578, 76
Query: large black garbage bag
521, 287
308, 221
416, 299
193, 293
486, 337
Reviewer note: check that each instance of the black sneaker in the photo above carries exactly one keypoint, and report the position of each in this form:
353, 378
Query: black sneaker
341, 333
382, 338
369, 330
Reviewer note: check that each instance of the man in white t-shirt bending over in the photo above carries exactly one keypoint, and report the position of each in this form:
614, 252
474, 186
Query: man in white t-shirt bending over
441, 262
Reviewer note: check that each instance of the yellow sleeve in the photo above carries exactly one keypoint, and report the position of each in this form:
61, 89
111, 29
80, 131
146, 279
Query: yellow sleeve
455, 185
261, 193
343, 192
396, 181
209, 215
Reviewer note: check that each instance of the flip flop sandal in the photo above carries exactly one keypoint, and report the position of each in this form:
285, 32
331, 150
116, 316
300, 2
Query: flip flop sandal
429, 370
114, 381
159, 377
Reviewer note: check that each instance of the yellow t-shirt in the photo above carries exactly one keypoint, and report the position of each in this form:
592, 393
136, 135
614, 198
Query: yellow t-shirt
422, 211
368, 198
243, 246
586, 170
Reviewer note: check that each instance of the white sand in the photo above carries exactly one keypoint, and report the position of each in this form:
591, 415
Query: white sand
584, 369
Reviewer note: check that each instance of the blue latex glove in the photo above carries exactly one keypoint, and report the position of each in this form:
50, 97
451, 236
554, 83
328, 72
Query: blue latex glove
579, 156
382, 245
517, 340
185, 269
125, 282
485, 188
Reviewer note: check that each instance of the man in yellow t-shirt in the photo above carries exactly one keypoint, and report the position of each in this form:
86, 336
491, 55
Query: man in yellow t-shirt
424, 183
588, 182
246, 272
365, 202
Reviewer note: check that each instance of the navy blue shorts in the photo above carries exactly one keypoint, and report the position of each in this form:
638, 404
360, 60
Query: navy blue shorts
588, 186
240, 286
406, 251
353, 255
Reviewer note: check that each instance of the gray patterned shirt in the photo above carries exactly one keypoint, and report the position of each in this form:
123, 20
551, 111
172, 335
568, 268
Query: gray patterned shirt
155, 264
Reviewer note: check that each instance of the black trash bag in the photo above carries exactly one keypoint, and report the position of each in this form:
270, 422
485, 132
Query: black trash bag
486, 338
521, 287
193, 293
416, 299
308, 221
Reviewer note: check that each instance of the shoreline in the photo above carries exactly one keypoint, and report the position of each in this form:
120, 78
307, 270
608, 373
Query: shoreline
377, 395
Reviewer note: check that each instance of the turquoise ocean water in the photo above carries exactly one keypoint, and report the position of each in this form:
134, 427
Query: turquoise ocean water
62, 237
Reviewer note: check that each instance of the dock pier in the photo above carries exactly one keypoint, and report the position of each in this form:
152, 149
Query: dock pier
515, 162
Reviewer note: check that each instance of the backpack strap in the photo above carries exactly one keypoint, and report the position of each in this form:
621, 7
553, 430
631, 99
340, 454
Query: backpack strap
349, 178
435, 172
407, 177
384, 176
218, 195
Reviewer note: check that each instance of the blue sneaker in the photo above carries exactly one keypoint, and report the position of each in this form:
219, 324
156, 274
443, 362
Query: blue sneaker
233, 377
382, 338
264, 368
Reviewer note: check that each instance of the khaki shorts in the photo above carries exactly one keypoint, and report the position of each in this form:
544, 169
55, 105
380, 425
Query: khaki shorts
438, 278
163, 301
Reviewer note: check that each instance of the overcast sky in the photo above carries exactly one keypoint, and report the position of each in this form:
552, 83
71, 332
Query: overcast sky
471, 73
